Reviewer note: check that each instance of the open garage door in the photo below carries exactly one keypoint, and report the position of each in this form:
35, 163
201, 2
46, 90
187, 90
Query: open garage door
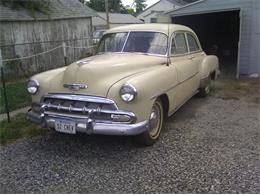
218, 33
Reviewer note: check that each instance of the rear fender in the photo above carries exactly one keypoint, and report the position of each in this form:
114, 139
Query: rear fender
209, 64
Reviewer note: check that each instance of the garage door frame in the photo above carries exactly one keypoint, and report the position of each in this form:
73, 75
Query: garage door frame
219, 11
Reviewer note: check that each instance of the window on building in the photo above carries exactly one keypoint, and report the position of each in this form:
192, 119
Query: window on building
153, 20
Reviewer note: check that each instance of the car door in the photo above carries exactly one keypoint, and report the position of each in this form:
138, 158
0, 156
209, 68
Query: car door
186, 66
195, 51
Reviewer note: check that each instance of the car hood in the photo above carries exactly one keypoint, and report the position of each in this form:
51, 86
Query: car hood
100, 72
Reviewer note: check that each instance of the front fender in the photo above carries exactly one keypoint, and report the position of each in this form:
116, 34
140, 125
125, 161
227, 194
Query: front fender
45, 79
149, 85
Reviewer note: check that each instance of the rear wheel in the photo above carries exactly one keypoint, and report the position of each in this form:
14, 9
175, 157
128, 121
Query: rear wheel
150, 136
204, 91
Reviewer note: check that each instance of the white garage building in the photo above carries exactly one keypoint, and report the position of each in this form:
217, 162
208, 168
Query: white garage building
229, 29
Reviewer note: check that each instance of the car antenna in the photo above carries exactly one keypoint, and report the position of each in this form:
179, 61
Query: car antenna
168, 49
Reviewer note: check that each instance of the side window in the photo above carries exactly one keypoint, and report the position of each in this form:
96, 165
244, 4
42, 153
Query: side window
193, 45
179, 44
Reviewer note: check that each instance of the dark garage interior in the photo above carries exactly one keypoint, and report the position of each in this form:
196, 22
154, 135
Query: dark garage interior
219, 35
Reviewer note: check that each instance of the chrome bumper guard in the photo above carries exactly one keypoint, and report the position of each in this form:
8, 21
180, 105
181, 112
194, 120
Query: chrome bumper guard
88, 125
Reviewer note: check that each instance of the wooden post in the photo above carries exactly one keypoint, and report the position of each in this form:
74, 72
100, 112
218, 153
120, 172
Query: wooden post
4, 88
107, 13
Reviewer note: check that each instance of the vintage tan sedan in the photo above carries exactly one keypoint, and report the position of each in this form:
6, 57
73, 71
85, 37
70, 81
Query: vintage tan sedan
139, 75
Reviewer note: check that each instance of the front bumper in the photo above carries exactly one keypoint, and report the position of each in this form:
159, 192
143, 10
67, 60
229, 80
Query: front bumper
89, 126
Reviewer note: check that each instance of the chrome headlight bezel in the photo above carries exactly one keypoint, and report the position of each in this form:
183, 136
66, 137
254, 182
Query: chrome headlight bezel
128, 93
33, 86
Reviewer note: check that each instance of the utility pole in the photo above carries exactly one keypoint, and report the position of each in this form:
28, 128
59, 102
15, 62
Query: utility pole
107, 13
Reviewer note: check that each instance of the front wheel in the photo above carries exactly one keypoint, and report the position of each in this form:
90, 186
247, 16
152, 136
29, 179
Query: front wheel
150, 136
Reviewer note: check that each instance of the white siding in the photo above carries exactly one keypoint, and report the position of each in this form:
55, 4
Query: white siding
152, 12
255, 39
250, 35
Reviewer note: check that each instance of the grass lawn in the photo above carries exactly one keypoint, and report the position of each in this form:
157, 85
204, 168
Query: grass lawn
19, 127
17, 95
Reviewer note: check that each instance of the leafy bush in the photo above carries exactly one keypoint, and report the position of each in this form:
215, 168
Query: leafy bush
32, 6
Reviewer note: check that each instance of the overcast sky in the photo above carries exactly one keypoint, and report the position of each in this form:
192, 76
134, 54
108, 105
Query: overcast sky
130, 2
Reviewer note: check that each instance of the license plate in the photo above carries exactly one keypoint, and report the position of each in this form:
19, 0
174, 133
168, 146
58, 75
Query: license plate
65, 126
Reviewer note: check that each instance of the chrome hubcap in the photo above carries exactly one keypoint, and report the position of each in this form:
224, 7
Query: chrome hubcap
207, 89
155, 120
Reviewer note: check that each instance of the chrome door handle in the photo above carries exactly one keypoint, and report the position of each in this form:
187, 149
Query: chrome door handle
191, 57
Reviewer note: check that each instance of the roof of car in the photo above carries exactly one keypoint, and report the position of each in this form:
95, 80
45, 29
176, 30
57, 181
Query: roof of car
164, 28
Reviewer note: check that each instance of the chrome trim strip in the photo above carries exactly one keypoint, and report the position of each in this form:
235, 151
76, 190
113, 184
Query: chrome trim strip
125, 42
75, 86
64, 115
132, 115
147, 54
64, 108
155, 96
83, 98
83, 119
120, 129
126, 31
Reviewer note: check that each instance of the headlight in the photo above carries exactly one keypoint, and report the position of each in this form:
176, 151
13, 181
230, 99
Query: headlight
32, 86
128, 93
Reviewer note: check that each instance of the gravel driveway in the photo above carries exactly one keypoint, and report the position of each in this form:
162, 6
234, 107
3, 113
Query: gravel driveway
209, 146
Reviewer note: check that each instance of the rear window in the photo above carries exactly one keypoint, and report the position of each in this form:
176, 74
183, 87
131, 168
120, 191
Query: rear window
193, 45
179, 44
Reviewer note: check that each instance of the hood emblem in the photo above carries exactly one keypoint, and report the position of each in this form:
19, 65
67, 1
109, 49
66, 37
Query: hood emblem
83, 62
75, 86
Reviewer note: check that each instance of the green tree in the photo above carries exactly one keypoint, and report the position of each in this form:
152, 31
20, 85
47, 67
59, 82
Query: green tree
129, 10
115, 6
98, 5
32, 6
139, 6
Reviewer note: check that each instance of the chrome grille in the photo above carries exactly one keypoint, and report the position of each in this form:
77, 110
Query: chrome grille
83, 107
78, 105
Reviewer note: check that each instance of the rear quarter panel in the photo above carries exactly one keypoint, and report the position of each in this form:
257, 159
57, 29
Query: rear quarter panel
209, 64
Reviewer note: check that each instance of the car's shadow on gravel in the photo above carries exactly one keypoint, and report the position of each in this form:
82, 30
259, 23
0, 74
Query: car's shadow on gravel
82, 143
188, 110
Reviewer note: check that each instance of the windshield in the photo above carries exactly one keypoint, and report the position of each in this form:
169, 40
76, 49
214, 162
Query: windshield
140, 42
98, 34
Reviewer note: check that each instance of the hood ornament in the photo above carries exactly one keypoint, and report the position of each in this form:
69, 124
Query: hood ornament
83, 62
75, 86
